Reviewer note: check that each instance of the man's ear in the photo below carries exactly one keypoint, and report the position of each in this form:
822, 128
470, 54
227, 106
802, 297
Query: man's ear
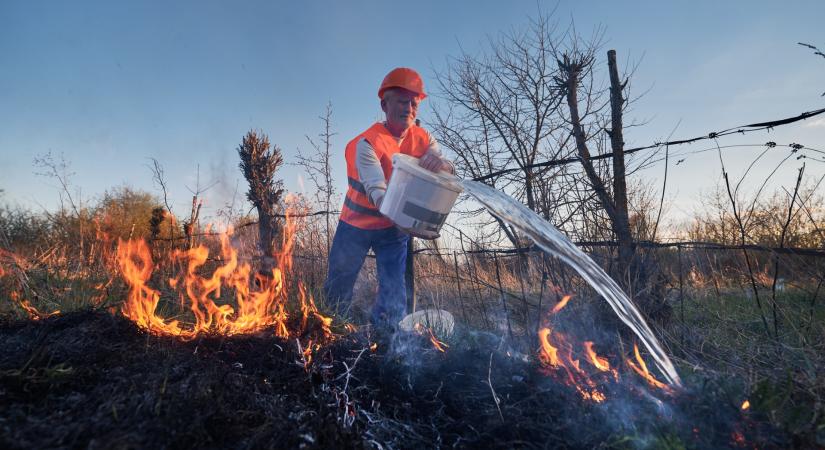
383, 105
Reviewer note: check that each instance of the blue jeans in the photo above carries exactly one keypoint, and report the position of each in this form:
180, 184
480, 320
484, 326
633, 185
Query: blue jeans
349, 248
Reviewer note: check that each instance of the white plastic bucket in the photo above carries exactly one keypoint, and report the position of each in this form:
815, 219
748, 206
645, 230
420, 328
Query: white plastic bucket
439, 321
417, 199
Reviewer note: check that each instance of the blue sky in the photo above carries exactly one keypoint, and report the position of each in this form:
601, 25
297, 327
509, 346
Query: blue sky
109, 84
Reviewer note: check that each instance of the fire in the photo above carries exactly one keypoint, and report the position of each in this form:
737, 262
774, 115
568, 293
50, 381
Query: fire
557, 355
560, 357
746, 405
439, 345
738, 438
25, 305
602, 364
428, 332
33, 313
561, 304
549, 354
641, 369
597, 361
261, 300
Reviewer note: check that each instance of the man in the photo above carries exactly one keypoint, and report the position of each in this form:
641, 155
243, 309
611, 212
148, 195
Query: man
361, 226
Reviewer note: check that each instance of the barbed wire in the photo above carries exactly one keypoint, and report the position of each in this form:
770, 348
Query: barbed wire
694, 245
742, 129
794, 147
247, 224
701, 245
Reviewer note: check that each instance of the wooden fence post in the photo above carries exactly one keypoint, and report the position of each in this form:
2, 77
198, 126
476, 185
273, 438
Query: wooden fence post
409, 275
681, 292
458, 282
501, 293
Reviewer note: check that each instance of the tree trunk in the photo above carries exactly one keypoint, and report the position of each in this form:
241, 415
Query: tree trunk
572, 71
621, 224
409, 275
615, 205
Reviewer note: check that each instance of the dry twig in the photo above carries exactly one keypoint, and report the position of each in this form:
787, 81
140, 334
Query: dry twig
496, 400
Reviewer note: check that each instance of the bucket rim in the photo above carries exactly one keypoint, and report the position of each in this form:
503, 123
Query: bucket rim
410, 165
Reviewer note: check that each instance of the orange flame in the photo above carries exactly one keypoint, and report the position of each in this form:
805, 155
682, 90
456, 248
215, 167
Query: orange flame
549, 354
746, 405
641, 369
31, 311
439, 345
738, 438
556, 354
428, 332
561, 304
264, 306
34, 313
602, 364
560, 357
597, 361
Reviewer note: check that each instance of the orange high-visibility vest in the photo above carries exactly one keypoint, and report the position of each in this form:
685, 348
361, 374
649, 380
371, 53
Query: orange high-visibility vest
358, 210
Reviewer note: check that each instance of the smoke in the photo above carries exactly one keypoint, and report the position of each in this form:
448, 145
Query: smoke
227, 199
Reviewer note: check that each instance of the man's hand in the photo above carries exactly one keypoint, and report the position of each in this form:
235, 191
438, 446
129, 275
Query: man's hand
433, 162
378, 197
421, 234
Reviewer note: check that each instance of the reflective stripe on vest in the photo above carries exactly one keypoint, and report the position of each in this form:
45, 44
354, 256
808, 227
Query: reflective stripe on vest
360, 209
355, 184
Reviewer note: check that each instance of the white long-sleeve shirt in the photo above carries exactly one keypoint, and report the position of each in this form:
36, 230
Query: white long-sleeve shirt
370, 172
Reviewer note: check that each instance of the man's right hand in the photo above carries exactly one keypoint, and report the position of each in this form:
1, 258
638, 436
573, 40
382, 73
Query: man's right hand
421, 234
433, 162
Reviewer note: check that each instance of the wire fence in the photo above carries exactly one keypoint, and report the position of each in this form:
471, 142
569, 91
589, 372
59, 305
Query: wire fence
516, 284
528, 277
743, 129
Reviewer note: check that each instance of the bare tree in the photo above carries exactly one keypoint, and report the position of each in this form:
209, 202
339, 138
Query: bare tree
501, 112
259, 163
159, 177
319, 169
59, 169
190, 226
573, 66
534, 98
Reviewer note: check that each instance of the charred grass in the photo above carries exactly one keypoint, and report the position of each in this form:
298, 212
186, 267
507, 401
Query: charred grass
92, 379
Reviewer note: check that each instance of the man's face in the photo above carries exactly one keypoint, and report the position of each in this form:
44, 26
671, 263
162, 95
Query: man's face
401, 107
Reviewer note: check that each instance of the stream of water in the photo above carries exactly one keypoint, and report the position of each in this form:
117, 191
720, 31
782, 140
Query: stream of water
551, 240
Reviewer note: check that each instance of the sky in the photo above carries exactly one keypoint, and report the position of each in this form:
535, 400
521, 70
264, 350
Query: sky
107, 85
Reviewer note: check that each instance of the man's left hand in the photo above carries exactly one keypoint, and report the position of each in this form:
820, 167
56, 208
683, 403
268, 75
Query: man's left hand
433, 162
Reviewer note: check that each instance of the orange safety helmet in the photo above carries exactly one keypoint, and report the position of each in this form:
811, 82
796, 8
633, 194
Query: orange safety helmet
403, 77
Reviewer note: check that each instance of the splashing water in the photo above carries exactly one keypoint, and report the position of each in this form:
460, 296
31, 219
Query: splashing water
551, 240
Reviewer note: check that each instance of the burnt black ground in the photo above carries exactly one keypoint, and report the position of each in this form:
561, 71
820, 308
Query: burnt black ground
93, 380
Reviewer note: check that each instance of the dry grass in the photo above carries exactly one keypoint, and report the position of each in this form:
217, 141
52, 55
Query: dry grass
714, 328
